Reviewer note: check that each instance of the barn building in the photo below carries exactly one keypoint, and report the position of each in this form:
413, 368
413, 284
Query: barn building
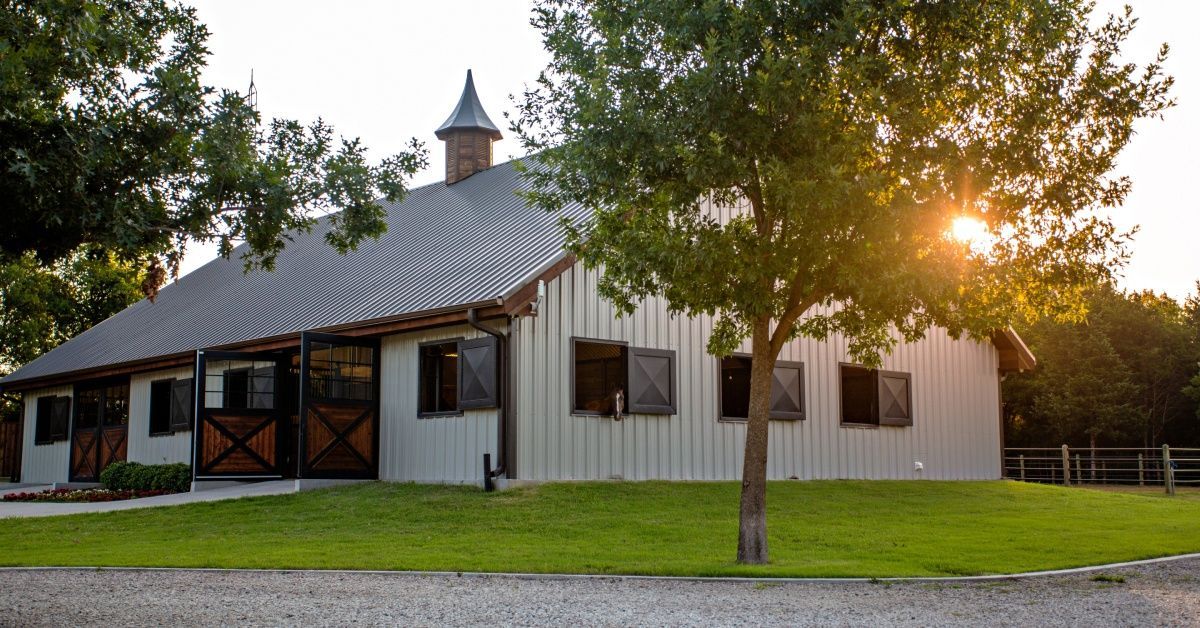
463, 332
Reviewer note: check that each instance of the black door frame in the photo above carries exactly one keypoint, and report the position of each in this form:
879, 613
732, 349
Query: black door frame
98, 431
201, 412
306, 338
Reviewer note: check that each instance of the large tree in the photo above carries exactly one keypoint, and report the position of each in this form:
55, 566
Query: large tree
1081, 393
41, 307
852, 133
108, 137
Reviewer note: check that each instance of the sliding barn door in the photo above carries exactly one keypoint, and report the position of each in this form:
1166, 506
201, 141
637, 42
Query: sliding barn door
339, 407
238, 426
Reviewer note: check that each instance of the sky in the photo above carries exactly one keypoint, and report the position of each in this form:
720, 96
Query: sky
390, 71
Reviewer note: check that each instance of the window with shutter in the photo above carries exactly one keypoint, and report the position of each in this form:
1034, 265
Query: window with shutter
874, 397
182, 393
652, 381
60, 418
598, 373
160, 406
787, 389
41, 431
895, 398
477, 368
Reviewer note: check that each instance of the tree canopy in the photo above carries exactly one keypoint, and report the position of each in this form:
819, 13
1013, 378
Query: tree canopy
109, 138
1123, 378
42, 307
850, 135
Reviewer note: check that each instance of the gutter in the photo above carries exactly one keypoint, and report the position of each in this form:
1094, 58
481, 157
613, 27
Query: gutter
502, 412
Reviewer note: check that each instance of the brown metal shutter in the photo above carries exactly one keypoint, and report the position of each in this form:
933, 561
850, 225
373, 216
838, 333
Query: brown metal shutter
477, 386
181, 405
895, 398
652, 381
60, 418
787, 391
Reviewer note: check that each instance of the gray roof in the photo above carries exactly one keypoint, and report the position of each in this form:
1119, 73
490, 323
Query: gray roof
468, 114
446, 246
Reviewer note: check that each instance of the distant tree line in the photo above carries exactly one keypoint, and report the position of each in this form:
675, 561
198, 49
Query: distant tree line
1127, 377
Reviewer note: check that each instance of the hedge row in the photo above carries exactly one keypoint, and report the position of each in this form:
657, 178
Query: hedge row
134, 476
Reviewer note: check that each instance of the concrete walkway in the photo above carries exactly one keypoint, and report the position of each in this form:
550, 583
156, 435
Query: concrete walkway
42, 509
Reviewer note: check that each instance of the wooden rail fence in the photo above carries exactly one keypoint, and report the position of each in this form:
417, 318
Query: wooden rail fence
1131, 466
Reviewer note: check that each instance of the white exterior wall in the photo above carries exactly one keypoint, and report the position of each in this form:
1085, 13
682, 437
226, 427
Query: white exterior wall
142, 447
436, 449
955, 390
44, 464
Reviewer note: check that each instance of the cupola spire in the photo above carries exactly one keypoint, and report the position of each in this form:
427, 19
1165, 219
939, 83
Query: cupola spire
468, 134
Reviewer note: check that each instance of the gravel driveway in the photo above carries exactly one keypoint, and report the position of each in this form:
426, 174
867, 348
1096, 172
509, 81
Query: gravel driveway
1159, 594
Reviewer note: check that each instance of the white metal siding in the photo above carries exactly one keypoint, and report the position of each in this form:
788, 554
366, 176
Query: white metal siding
954, 388
437, 449
143, 447
43, 463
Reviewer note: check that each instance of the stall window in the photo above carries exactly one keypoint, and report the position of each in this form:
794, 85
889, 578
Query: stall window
603, 374
52, 420
875, 397
787, 389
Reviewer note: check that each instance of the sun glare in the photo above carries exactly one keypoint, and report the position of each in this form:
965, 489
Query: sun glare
968, 230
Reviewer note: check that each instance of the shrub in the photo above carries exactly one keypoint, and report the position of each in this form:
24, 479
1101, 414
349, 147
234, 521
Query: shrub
133, 476
115, 477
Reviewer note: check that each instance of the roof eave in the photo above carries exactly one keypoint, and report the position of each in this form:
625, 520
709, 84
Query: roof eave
1015, 356
381, 326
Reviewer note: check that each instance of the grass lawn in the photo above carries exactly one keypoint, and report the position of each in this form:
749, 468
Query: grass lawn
833, 528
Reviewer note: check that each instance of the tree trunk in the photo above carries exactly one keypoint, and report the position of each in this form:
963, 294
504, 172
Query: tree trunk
752, 531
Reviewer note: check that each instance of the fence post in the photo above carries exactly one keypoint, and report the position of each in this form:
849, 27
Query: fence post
1066, 455
1168, 472
1078, 469
1141, 472
1021, 459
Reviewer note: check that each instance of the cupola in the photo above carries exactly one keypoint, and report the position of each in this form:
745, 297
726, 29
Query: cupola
468, 134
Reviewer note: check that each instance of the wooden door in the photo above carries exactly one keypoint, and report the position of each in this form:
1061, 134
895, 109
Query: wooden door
100, 428
339, 407
238, 433
10, 450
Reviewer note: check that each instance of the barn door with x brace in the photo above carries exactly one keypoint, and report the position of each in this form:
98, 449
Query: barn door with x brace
339, 407
238, 426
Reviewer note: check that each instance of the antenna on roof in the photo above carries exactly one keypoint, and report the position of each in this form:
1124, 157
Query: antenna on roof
252, 93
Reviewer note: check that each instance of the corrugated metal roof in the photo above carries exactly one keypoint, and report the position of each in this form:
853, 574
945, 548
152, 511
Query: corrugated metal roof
469, 114
445, 246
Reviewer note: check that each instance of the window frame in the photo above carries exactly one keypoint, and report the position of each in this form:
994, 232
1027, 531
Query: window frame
169, 382
624, 358
45, 435
721, 418
420, 375
878, 423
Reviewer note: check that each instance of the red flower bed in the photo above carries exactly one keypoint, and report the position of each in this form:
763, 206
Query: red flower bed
88, 495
